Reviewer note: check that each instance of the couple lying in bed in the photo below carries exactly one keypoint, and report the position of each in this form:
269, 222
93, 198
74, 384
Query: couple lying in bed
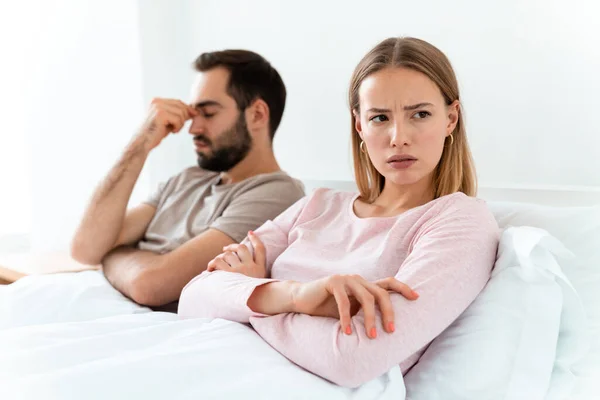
345, 285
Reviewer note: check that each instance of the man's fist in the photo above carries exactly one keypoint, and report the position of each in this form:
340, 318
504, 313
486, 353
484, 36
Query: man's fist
165, 116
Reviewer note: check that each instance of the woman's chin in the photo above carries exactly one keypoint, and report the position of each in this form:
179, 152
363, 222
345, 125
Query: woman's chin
402, 179
406, 178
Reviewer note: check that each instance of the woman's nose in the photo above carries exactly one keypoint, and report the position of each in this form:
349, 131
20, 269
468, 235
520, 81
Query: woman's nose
399, 135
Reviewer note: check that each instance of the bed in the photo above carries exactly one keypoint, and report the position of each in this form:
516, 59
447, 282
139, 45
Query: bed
71, 336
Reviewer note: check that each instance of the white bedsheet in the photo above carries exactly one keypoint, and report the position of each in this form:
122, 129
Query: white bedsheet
71, 336
68, 297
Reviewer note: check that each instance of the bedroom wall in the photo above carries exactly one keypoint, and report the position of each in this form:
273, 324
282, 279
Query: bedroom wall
74, 98
15, 191
527, 70
80, 76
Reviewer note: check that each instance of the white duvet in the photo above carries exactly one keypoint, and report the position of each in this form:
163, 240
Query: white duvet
72, 336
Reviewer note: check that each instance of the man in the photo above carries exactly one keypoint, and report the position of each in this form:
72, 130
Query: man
149, 253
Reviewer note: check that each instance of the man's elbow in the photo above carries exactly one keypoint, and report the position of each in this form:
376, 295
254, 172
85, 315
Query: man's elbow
144, 291
81, 253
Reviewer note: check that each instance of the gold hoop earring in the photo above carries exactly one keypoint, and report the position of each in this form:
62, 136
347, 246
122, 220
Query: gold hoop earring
451, 139
362, 146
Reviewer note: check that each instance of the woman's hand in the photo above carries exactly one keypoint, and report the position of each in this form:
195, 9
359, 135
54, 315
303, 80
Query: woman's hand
341, 296
237, 258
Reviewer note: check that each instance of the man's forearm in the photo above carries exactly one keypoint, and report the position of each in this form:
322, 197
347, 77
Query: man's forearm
103, 219
129, 270
157, 279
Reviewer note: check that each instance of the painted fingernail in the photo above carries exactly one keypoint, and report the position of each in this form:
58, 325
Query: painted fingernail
373, 333
391, 327
250, 232
348, 330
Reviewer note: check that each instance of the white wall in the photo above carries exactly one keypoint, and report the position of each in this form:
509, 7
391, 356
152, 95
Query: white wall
15, 190
528, 72
167, 55
79, 75
89, 77
80, 100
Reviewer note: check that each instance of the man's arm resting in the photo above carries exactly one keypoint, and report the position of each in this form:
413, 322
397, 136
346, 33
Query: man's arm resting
126, 267
158, 279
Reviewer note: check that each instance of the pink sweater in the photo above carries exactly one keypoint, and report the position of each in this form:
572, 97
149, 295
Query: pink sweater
444, 250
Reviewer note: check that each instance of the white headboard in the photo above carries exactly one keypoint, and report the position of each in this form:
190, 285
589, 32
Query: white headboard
544, 195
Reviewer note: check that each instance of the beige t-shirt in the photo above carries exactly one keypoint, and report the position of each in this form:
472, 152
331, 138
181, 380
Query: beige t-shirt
193, 201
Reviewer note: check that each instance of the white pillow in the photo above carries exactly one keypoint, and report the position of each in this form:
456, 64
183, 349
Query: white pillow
504, 345
578, 228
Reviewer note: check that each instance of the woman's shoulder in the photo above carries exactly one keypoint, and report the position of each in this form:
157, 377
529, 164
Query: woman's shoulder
326, 194
328, 201
459, 206
459, 200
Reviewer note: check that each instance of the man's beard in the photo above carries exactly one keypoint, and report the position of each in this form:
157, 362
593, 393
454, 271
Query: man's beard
229, 149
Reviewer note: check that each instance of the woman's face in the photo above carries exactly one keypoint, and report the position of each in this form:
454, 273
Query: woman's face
404, 121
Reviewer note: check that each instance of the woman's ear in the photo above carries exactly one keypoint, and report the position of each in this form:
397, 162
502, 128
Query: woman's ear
453, 113
357, 123
257, 115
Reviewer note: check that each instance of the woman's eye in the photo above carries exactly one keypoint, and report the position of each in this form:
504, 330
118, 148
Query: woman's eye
378, 118
422, 114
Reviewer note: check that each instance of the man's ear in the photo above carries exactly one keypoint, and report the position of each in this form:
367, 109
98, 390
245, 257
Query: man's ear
257, 115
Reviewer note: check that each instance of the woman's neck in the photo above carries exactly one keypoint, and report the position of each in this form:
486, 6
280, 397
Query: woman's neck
396, 199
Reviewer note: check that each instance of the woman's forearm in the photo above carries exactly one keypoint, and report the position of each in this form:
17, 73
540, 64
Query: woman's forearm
273, 298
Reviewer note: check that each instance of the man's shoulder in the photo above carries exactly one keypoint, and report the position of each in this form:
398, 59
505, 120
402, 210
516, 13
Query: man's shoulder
275, 183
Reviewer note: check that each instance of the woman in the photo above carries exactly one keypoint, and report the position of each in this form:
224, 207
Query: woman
325, 283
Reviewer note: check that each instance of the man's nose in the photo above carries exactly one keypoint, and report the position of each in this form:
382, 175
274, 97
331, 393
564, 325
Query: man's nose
198, 126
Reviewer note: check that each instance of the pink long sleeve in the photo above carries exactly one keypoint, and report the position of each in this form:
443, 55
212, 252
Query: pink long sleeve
444, 250
448, 266
221, 294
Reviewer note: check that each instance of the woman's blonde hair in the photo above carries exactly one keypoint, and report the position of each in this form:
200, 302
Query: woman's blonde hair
456, 171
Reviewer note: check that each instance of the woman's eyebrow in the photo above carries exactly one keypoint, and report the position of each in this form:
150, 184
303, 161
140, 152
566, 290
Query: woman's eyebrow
405, 108
415, 106
378, 110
